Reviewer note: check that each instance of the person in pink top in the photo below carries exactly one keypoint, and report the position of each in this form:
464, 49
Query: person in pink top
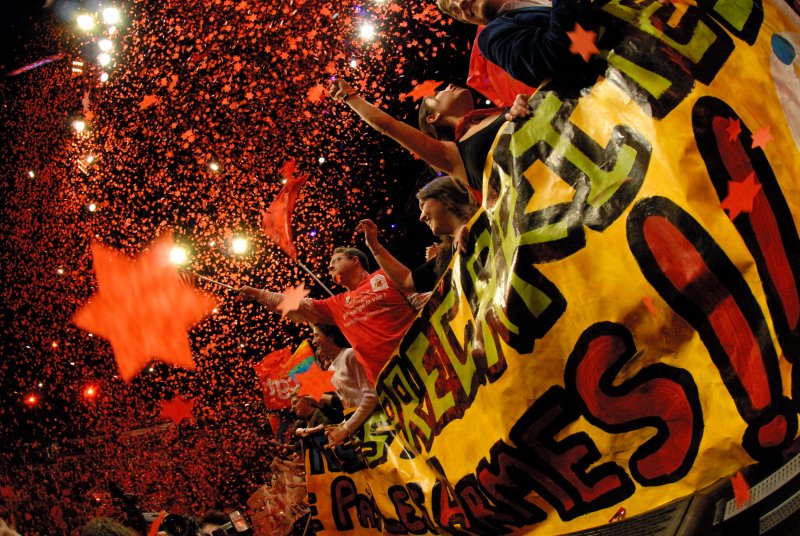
373, 313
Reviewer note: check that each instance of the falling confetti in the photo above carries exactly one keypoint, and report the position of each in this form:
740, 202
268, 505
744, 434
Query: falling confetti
142, 307
190, 84
582, 42
315, 382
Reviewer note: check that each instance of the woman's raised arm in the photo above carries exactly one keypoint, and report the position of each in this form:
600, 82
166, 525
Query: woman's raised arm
395, 270
442, 155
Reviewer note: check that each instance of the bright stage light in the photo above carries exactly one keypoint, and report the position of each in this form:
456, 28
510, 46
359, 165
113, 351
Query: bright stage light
239, 245
367, 31
90, 391
104, 77
110, 15
104, 59
79, 125
31, 174
353, 63
111, 30
30, 400
214, 166
105, 44
92, 207
85, 22
177, 255
321, 159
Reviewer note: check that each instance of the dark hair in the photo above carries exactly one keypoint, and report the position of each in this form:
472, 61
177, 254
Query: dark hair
334, 333
214, 517
437, 132
105, 526
456, 198
353, 252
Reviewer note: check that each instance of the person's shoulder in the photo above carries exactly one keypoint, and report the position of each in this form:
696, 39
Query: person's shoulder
521, 16
378, 282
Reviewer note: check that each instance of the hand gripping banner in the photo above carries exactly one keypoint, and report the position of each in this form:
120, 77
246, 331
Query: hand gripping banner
624, 327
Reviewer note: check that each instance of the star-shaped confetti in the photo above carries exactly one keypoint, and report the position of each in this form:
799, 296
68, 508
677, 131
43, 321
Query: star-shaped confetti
734, 129
142, 307
315, 382
582, 42
177, 409
741, 490
762, 137
422, 90
292, 297
315, 93
741, 195
148, 101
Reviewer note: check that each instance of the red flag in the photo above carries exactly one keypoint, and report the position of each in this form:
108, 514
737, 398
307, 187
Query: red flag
274, 423
493, 81
277, 385
277, 221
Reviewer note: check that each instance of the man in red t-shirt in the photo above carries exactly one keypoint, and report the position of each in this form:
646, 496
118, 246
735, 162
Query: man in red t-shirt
373, 314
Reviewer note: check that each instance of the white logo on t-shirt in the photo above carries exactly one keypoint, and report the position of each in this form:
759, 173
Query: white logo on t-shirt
378, 283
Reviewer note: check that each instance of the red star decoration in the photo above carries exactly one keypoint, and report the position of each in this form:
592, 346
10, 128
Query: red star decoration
315, 382
583, 42
315, 93
734, 129
148, 101
741, 490
741, 195
292, 297
762, 137
142, 307
177, 409
422, 90
648, 302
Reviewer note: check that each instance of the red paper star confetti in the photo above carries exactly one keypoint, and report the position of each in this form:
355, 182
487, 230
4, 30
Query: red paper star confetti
177, 409
315, 382
648, 302
582, 42
741, 195
142, 307
734, 129
762, 137
741, 489
315, 93
422, 90
292, 297
148, 101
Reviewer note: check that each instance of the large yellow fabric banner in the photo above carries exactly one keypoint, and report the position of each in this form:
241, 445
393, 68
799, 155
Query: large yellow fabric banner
623, 329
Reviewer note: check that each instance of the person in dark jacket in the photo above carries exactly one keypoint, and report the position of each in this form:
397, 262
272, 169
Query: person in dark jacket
528, 39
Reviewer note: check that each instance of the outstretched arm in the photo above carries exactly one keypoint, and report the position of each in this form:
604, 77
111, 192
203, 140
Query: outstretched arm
394, 269
306, 313
442, 155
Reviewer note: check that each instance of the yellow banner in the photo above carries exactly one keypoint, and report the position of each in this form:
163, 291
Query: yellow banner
622, 330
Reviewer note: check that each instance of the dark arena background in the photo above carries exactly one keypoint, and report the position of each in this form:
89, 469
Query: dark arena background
186, 129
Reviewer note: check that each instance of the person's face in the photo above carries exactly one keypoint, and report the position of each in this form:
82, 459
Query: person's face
340, 266
480, 12
452, 102
434, 214
322, 342
208, 528
301, 407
